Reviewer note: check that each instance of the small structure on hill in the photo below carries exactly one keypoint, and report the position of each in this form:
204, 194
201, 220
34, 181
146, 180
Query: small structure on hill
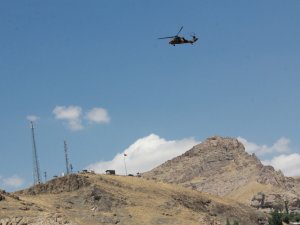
110, 172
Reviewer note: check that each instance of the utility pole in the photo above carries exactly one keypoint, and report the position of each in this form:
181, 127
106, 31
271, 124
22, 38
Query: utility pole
125, 164
66, 157
36, 167
45, 176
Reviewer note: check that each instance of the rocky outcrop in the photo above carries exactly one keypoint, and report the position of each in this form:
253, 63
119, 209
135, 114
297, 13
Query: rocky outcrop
2, 195
68, 183
50, 219
268, 175
218, 166
275, 201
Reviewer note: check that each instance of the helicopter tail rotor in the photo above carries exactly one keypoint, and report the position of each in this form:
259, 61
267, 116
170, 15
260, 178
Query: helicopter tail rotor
194, 38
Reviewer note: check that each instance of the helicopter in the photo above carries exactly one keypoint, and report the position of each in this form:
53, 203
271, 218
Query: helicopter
176, 40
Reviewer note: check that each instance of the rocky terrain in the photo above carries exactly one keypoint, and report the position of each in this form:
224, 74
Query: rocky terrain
210, 183
91, 199
221, 166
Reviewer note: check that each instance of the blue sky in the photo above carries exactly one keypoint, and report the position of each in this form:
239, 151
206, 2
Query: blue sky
95, 74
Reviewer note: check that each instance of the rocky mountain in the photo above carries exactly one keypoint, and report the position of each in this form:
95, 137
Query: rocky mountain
89, 199
206, 185
221, 166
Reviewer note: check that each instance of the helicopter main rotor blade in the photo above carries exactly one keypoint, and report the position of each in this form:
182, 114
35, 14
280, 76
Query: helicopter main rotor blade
179, 31
167, 37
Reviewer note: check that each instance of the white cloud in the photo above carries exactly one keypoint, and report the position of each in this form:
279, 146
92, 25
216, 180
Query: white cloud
13, 181
67, 112
288, 164
280, 146
145, 154
71, 114
32, 118
98, 115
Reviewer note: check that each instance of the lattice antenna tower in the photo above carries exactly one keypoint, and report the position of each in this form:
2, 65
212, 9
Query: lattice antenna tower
66, 158
36, 167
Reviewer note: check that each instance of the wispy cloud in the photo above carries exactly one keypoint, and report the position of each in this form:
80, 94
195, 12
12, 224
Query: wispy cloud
14, 181
288, 164
32, 118
145, 154
70, 114
280, 146
98, 115
73, 116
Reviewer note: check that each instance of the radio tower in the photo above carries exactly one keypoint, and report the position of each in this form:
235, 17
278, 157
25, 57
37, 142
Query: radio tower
36, 167
66, 157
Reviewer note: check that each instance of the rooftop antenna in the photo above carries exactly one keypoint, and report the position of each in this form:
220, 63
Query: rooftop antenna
36, 167
66, 158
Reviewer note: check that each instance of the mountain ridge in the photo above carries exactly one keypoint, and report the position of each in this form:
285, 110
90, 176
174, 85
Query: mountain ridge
221, 166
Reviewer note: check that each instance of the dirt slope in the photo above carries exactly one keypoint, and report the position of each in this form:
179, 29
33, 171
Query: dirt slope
90, 199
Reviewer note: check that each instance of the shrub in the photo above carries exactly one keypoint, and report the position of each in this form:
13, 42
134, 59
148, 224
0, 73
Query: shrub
275, 218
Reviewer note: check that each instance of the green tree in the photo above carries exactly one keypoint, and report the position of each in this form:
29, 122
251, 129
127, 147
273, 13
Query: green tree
227, 222
286, 218
295, 217
234, 223
275, 218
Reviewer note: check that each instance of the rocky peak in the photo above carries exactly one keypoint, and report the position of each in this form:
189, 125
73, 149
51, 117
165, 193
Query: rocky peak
219, 165
220, 149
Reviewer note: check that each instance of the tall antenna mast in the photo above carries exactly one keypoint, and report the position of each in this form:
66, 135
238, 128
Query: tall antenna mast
36, 167
66, 157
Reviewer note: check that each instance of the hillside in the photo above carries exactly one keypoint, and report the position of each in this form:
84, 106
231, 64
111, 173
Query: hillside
90, 199
221, 166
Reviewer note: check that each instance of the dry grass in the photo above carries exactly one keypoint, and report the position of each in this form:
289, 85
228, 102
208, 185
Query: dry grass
245, 193
141, 202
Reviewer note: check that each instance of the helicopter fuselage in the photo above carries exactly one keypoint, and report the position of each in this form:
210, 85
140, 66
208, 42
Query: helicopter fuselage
181, 40
176, 40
